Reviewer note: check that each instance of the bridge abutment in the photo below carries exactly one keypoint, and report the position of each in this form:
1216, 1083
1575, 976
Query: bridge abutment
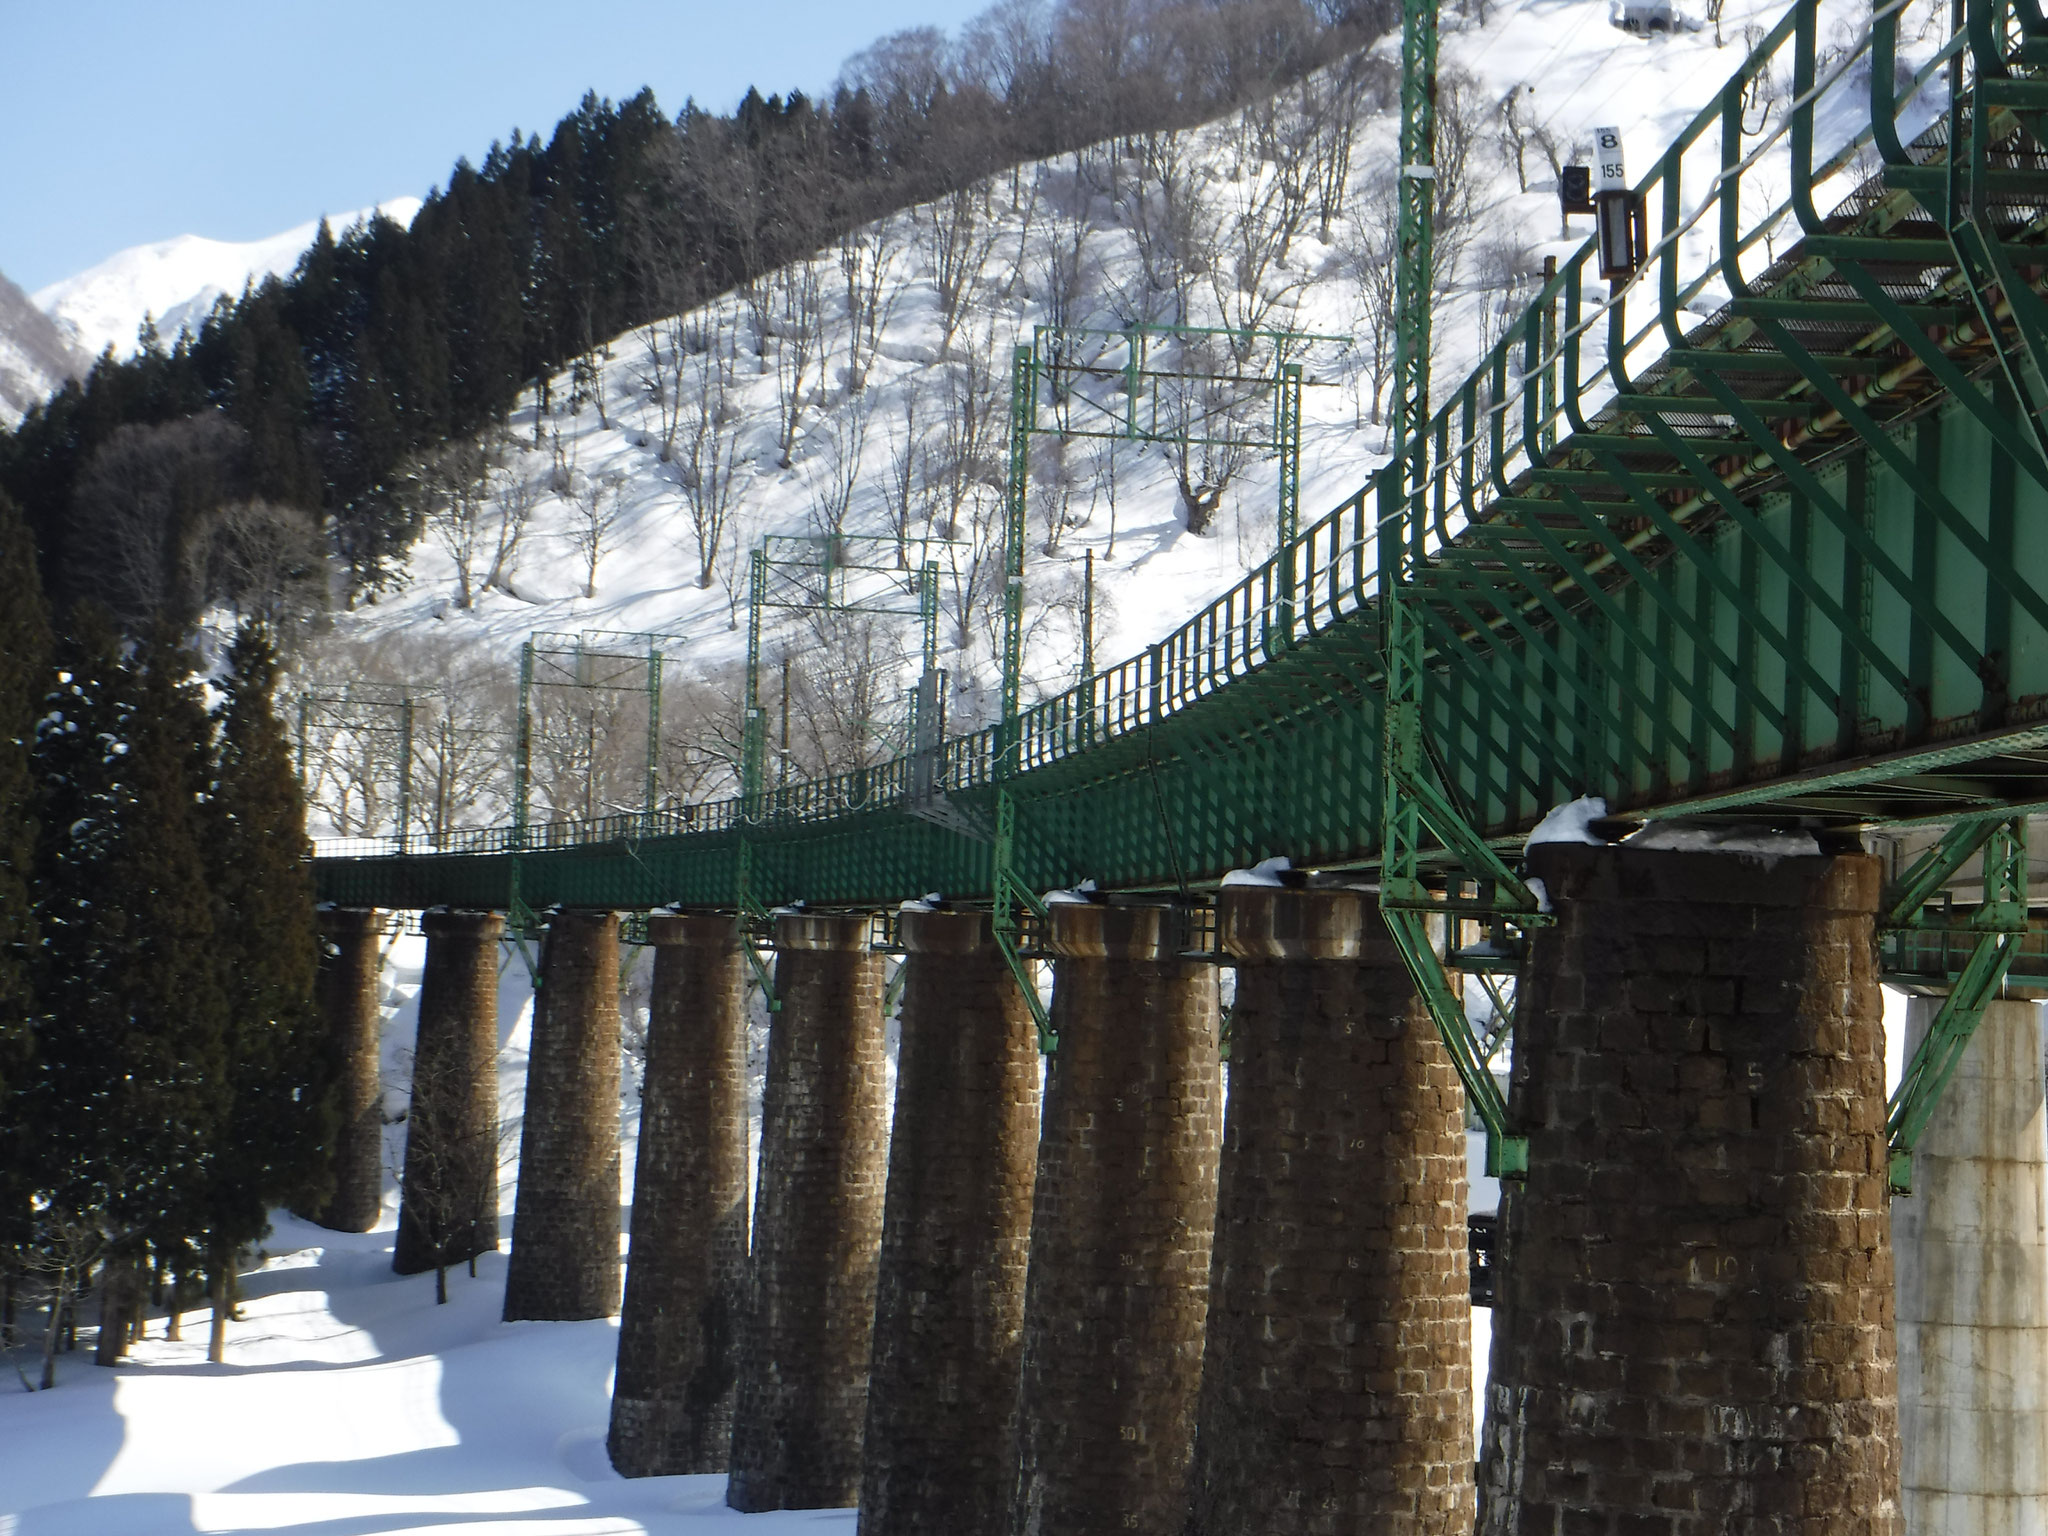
802, 1401
448, 1210
1118, 1291
565, 1225
1972, 1246
346, 990
1337, 1383
672, 1396
955, 1237
1693, 1321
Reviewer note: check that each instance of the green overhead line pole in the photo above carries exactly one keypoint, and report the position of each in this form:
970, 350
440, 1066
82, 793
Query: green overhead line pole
803, 573
1413, 805
1007, 891
365, 710
754, 733
654, 660
522, 748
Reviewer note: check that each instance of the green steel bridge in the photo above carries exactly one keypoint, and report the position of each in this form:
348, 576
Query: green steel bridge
1758, 532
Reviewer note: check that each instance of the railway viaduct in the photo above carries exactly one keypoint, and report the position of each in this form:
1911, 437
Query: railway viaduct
1744, 532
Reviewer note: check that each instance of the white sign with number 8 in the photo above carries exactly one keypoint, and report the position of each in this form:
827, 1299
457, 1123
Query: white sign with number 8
1608, 175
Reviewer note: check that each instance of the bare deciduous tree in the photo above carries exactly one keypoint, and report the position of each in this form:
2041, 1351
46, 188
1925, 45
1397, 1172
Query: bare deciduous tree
957, 237
835, 476
449, 491
709, 464
597, 503
799, 343
1205, 415
866, 255
905, 489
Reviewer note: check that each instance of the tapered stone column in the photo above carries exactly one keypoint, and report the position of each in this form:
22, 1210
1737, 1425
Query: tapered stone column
679, 1343
796, 1441
346, 993
448, 1209
1972, 1245
1692, 1330
955, 1237
565, 1226
1337, 1381
1120, 1230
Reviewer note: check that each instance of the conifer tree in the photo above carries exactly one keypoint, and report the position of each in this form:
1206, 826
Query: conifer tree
280, 1128
128, 1089
24, 661
24, 664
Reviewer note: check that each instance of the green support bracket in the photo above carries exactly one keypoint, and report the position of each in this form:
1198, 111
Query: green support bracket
1011, 894
520, 921
755, 925
1999, 924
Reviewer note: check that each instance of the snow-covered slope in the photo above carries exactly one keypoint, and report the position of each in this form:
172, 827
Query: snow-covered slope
1078, 223
35, 357
177, 281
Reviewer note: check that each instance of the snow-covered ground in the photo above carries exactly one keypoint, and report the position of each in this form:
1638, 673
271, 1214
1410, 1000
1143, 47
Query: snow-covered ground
177, 281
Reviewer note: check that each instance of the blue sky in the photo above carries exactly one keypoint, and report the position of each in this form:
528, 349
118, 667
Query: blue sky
126, 121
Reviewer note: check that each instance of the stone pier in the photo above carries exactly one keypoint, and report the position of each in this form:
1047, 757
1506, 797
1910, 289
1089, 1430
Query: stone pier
448, 1208
1693, 1321
679, 1344
346, 993
803, 1387
1121, 1223
1337, 1383
1972, 1245
956, 1234
565, 1226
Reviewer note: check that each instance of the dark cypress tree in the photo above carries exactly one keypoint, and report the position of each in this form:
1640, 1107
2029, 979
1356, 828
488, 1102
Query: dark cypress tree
24, 678
280, 1129
129, 1082
24, 669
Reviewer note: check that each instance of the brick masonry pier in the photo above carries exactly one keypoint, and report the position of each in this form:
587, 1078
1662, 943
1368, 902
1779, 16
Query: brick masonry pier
1118, 1291
672, 1397
955, 1236
346, 992
1337, 1383
802, 1405
450, 1195
565, 1227
1972, 1244
1693, 1325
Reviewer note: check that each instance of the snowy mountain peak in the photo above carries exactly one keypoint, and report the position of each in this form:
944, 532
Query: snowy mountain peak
178, 280
35, 356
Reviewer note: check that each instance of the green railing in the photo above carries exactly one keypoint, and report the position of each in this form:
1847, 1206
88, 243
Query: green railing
1573, 353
